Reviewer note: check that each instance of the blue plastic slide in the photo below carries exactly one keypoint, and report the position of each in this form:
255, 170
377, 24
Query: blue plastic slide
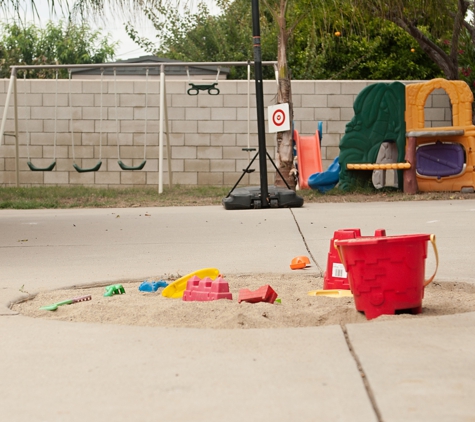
326, 180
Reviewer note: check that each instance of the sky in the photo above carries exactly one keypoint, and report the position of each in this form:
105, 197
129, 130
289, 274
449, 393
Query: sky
115, 27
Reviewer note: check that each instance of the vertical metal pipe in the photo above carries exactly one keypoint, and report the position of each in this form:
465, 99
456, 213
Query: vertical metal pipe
169, 152
7, 103
249, 110
261, 132
160, 137
17, 149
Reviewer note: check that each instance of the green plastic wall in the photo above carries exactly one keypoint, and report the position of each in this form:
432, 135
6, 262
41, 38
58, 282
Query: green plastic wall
379, 116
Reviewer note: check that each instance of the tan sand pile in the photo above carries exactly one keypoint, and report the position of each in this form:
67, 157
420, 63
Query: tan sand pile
296, 310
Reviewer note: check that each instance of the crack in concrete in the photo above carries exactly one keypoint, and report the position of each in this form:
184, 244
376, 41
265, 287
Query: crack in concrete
364, 378
305, 243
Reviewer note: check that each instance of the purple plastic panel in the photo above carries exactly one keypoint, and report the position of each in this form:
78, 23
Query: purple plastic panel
440, 159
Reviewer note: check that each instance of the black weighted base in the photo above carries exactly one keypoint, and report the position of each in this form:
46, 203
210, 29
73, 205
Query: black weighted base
250, 198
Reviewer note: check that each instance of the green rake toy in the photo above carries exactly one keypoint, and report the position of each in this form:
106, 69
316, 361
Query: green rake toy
54, 306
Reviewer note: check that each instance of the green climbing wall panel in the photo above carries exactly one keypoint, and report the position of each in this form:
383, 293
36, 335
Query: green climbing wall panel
379, 116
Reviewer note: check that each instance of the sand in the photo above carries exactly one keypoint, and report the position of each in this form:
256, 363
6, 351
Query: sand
297, 309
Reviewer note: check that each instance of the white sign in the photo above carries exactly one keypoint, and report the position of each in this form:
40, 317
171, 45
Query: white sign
278, 117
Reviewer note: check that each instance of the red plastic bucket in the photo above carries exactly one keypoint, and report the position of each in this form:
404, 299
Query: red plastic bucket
386, 274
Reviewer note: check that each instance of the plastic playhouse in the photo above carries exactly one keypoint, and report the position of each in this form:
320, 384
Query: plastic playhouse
388, 142
422, 158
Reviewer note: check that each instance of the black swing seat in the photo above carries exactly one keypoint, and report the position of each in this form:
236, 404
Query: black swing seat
81, 170
126, 167
195, 89
34, 168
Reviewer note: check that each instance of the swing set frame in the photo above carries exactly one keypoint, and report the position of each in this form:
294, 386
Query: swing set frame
163, 117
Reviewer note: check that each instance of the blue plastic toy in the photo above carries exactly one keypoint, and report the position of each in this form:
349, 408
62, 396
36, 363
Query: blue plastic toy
326, 180
152, 286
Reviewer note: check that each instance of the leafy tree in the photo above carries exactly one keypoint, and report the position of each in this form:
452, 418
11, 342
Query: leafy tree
201, 36
428, 22
382, 52
57, 43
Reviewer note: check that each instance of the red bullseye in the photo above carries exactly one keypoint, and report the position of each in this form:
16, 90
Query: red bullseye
278, 117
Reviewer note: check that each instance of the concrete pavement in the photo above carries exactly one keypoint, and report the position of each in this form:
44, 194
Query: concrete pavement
411, 370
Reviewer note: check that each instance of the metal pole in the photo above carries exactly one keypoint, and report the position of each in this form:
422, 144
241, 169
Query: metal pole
7, 103
169, 153
261, 132
17, 152
144, 65
160, 137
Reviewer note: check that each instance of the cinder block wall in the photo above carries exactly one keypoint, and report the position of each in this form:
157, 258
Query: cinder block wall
206, 133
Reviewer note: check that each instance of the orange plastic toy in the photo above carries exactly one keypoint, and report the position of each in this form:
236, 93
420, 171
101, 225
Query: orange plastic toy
299, 262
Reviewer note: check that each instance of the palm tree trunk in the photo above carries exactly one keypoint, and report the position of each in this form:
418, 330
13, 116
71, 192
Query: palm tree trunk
284, 155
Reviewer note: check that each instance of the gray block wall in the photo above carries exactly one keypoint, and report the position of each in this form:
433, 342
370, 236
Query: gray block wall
206, 133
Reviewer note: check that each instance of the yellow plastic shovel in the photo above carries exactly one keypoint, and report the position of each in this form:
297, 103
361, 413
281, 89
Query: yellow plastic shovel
331, 293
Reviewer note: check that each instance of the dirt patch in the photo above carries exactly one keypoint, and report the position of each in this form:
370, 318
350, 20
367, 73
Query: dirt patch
296, 310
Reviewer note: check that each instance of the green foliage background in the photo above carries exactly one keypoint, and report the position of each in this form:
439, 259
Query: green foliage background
368, 47
57, 43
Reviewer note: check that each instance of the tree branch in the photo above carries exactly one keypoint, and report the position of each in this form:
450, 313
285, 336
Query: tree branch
470, 26
437, 54
272, 11
283, 7
296, 22
458, 24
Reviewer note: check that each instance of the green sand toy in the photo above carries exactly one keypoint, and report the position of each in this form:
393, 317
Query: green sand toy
114, 289
54, 306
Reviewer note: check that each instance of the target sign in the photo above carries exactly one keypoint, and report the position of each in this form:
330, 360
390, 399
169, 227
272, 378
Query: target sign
278, 117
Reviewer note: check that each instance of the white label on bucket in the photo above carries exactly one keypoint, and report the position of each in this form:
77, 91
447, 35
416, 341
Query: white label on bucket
338, 271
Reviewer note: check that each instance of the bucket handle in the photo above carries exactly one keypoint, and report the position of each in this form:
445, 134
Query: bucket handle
426, 282
337, 247
432, 240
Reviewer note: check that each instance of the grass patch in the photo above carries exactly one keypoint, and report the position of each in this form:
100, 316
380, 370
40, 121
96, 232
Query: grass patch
51, 197
90, 197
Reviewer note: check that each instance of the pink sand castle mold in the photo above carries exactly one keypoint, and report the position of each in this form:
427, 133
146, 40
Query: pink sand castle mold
203, 290
262, 294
